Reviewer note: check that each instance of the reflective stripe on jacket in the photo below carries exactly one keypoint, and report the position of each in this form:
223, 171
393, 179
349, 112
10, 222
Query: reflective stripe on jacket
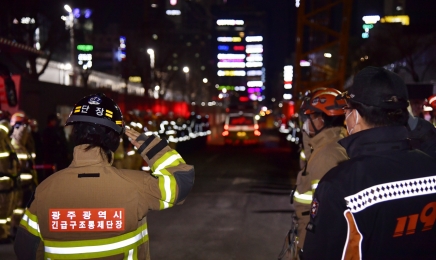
377, 204
91, 184
325, 154
87, 249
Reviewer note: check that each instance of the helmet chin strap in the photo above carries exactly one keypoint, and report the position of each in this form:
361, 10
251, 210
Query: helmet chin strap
317, 131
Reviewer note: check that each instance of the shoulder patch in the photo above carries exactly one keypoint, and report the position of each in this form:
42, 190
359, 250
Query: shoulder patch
314, 208
310, 227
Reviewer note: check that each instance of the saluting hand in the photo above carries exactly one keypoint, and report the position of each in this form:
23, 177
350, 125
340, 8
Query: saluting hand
133, 135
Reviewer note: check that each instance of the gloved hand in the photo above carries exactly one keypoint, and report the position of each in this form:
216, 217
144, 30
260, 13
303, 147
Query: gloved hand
133, 135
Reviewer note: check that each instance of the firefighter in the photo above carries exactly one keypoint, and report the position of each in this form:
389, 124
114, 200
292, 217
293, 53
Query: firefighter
92, 209
8, 158
27, 178
379, 204
21, 133
323, 126
55, 143
9, 192
422, 133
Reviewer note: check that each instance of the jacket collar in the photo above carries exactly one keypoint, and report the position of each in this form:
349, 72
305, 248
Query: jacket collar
94, 156
327, 135
387, 138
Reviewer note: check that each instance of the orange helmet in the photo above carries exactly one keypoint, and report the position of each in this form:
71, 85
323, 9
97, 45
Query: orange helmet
432, 101
323, 101
19, 118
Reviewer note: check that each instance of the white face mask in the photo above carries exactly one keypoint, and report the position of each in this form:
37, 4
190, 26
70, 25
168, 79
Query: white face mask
306, 127
351, 129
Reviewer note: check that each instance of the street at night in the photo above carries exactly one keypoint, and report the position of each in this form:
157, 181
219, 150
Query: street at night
217, 129
238, 209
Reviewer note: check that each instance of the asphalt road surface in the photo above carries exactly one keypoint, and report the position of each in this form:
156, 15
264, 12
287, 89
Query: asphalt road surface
238, 208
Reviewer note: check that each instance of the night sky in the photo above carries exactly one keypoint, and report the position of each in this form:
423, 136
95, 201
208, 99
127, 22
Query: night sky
281, 19
281, 16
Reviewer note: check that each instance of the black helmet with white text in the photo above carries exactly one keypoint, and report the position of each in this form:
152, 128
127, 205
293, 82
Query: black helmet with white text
97, 109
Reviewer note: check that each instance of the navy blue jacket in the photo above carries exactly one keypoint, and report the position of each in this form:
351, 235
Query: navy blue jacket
380, 204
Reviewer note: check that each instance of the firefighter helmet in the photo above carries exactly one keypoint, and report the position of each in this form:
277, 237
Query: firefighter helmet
432, 101
97, 109
19, 118
323, 101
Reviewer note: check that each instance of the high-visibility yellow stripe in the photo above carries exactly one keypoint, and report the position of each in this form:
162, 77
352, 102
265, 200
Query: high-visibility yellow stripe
5, 154
77, 109
131, 255
23, 156
169, 159
5, 178
302, 156
30, 222
305, 198
96, 248
314, 184
118, 122
167, 183
4, 128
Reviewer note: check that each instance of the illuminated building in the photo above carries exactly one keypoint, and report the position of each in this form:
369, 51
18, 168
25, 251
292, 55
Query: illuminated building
240, 61
179, 33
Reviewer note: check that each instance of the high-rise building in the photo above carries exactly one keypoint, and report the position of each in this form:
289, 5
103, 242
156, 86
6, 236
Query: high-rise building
178, 35
240, 62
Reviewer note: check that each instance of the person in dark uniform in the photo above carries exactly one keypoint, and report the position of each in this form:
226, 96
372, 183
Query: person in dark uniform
55, 143
381, 203
422, 135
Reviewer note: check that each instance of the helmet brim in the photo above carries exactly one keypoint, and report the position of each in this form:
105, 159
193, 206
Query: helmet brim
101, 121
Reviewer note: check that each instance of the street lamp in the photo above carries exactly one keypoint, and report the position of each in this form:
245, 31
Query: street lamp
152, 61
69, 23
151, 53
68, 9
186, 71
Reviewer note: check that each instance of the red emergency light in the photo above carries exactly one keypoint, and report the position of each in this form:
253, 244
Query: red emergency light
244, 99
238, 47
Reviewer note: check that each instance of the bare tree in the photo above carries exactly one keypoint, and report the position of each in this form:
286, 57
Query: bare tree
405, 48
27, 17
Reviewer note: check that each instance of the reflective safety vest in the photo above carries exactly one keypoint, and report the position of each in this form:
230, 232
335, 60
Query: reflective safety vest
87, 249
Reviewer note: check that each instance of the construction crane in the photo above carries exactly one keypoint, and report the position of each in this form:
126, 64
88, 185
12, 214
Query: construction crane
322, 44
